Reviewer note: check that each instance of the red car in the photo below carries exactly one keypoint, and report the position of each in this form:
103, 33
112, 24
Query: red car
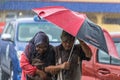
2, 24
102, 66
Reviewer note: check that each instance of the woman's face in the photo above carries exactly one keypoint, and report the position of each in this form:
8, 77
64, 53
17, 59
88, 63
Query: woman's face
41, 48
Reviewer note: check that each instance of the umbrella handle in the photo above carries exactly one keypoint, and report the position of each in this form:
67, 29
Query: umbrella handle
69, 58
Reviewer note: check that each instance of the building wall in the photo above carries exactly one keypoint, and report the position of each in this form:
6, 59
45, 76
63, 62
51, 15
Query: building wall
15, 14
102, 1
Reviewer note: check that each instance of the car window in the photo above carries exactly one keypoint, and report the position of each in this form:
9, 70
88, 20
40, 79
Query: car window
114, 60
103, 57
107, 59
27, 30
9, 30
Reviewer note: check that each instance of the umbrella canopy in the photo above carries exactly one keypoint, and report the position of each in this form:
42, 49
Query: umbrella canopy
110, 44
64, 18
76, 24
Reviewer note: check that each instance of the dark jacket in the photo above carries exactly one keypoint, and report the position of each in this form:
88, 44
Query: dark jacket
77, 56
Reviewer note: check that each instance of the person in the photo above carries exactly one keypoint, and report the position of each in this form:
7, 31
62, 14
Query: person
38, 55
69, 69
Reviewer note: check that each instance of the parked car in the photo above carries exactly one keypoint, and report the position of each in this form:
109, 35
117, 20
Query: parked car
15, 37
102, 66
2, 24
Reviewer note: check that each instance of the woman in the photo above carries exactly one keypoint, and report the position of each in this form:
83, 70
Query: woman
37, 56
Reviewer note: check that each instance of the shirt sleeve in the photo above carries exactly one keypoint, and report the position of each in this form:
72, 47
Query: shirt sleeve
26, 66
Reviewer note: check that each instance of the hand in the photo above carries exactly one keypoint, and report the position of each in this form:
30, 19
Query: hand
41, 74
86, 49
65, 65
81, 42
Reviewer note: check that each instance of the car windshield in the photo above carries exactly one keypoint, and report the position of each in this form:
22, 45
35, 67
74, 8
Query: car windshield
27, 30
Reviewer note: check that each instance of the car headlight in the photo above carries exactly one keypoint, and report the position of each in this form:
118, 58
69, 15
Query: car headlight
19, 54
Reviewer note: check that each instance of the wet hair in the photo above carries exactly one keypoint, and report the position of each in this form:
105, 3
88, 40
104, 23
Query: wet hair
66, 36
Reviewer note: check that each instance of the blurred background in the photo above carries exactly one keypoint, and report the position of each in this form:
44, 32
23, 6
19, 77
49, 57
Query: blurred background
105, 13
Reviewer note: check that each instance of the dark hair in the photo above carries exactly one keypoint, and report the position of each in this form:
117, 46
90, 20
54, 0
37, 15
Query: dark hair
66, 36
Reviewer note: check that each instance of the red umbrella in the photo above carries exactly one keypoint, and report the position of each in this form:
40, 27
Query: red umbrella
76, 24
110, 44
62, 17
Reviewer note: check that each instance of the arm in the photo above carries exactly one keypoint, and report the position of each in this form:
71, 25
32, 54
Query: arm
57, 68
28, 68
86, 49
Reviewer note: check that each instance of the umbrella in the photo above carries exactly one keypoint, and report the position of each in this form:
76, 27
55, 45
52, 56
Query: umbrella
76, 24
110, 44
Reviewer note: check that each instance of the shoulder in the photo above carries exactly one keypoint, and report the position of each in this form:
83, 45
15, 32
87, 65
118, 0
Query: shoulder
58, 48
78, 47
51, 46
51, 49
